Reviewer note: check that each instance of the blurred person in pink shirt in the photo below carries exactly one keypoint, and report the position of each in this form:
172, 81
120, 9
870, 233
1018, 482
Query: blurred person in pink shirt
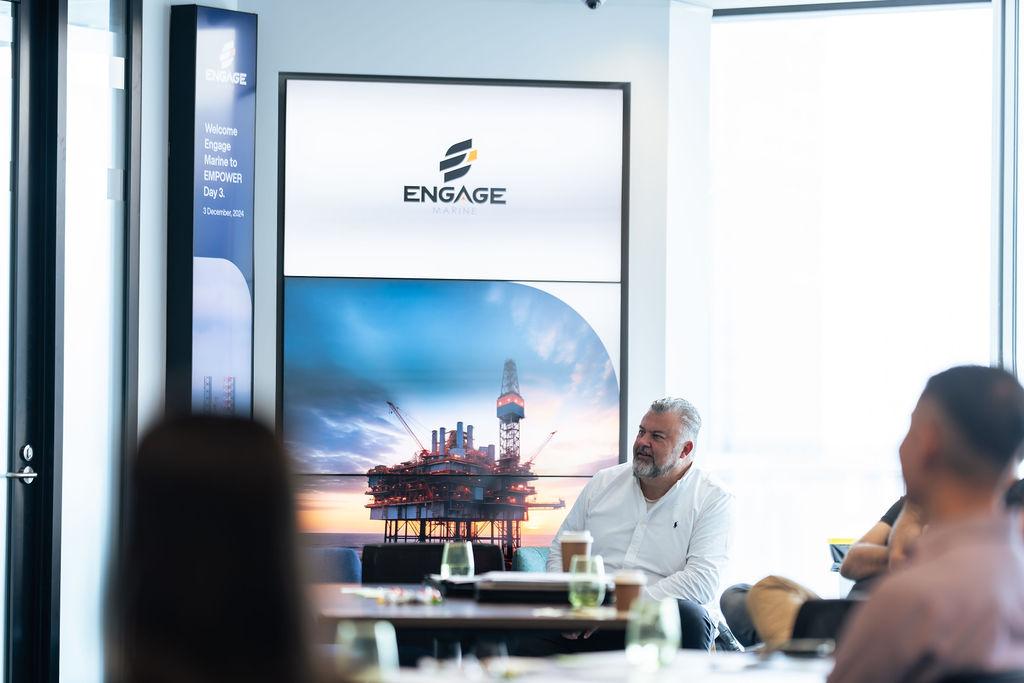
958, 606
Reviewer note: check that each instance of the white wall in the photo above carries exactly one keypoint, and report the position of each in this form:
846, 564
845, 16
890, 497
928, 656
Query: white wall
626, 40
688, 243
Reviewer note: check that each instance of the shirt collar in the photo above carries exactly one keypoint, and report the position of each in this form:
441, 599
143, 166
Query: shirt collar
679, 484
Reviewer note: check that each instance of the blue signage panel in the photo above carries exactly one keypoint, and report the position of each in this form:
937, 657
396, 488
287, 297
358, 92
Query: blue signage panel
222, 121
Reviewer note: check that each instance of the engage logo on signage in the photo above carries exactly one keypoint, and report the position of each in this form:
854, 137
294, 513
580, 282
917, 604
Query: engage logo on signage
454, 158
225, 74
456, 163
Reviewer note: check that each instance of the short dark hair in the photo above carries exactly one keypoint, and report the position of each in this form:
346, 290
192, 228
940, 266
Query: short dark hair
986, 405
1015, 494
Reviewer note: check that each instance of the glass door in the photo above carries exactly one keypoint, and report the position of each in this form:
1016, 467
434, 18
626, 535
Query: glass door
68, 261
94, 230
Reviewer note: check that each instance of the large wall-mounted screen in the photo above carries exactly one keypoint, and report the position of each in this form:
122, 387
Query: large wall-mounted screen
451, 303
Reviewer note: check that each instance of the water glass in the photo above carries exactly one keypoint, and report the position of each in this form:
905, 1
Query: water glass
457, 559
366, 652
586, 581
653, 633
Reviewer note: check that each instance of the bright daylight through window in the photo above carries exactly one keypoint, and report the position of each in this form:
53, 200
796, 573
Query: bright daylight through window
851, 259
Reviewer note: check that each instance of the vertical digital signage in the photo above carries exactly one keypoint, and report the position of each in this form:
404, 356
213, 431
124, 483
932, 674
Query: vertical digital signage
209, 215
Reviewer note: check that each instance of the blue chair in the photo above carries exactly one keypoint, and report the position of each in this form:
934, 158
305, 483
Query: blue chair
530, 558
329, 564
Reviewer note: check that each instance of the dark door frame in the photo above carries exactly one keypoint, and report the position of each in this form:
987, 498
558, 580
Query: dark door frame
37, 338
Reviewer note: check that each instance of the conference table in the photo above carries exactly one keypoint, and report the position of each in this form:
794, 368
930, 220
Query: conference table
333, 603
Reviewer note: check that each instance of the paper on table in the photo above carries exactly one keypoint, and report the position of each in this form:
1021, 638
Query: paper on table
457, 580
527, 577
556, 578
529, 580
363, 591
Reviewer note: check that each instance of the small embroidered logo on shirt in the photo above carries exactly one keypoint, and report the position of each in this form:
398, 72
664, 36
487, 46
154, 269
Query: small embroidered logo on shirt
675, 524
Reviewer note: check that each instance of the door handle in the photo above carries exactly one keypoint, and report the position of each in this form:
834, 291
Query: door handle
26, 474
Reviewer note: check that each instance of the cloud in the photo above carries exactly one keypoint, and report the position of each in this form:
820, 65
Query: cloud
494, 294
559, 335
307, 486
520, 310
335, 422
544, 341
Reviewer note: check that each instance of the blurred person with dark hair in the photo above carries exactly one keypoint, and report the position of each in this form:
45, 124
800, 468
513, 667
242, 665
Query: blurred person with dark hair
1015, 498
959, 603
1015, 494
208, 587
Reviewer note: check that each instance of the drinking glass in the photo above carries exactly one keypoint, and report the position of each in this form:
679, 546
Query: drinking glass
457, 559
586, 581
366, 652
653, 633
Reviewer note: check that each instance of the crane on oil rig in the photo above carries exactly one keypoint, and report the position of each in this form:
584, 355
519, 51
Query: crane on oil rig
533, 456
398, 413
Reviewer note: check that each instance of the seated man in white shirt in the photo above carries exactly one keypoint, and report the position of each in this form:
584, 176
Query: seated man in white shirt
661, 515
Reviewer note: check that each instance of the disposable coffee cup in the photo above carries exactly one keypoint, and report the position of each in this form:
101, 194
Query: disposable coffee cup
575, 543
629, 584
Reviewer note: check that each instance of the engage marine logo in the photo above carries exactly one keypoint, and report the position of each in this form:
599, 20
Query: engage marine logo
455, 164
226, 61
453, 157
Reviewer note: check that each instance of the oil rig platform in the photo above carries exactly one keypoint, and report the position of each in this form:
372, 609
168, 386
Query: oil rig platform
457, 490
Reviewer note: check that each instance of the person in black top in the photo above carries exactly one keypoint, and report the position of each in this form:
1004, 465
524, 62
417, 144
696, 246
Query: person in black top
882, 547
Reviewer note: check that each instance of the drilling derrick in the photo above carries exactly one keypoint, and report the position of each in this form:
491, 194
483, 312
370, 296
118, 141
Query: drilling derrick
458, 490
511, 409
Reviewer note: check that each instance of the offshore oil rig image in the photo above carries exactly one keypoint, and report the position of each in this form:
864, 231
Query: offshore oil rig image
458, 491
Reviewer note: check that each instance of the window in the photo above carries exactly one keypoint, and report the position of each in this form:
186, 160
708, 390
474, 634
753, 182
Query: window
851, 258
94, 234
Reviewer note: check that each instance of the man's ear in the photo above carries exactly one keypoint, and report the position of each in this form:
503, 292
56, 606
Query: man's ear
686, 450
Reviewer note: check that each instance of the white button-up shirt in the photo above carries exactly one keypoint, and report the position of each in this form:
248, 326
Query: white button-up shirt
681, 543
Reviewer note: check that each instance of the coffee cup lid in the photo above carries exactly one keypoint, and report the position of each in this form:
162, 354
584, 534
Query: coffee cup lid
577, 536
630, 576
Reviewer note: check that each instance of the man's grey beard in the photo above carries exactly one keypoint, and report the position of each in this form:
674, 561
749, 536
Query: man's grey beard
648, 469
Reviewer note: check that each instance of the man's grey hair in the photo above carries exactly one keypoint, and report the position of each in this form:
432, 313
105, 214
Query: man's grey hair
689, 418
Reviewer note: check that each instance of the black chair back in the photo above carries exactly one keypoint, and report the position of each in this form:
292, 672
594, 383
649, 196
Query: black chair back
822, 618
982, 677
411, 562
